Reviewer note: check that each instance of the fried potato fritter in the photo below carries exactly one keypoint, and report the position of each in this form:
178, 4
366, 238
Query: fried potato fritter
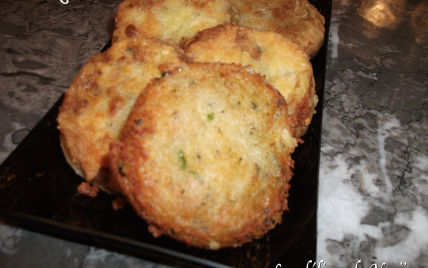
169, 20
205, 155
99, 100
283, 64
297, 20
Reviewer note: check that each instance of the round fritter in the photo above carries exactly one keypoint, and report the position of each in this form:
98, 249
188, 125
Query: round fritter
205, 155
283, 64
171, 20
99, 100
297, 20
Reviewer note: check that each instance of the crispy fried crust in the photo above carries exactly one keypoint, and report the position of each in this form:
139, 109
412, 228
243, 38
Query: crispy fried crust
100, 98
283, 64
170, 20
296, 20
205, 155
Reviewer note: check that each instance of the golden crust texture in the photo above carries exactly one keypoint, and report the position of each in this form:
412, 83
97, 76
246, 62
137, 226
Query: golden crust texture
99, 100
283, 64
297, 20
205, 155
170, 20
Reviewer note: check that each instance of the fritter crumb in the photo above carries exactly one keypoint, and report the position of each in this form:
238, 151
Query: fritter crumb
118, 203
87, 189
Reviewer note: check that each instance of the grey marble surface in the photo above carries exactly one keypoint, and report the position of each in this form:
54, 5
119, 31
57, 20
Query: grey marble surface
373, 192
373, 202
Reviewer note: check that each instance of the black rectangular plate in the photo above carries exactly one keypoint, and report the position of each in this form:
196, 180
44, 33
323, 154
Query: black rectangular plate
38, 192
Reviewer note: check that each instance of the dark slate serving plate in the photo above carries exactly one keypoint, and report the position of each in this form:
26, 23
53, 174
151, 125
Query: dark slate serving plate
38, 192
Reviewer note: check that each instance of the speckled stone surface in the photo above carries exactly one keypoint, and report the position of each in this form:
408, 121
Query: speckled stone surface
373, 202
373, 185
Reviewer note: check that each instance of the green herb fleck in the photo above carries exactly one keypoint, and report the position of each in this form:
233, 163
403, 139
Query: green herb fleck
183, 162
210, 116
254, 105
200, 180
257, 169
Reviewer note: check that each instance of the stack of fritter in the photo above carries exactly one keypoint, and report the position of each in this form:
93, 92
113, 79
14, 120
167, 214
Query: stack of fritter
193, 113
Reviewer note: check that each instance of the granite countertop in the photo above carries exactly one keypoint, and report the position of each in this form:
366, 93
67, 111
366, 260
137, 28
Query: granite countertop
373, 178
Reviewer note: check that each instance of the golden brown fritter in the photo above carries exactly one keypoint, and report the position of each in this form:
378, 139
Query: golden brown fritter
205, 155
99, 100
283, 64
296, 20
170, 20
